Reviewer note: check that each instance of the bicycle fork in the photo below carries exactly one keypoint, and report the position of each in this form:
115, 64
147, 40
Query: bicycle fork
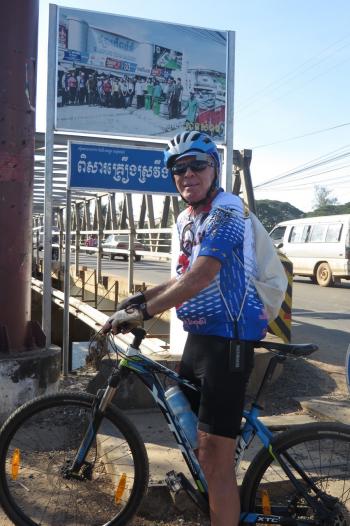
103, 399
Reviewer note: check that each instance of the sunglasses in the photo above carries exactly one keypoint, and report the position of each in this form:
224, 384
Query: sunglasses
194, 165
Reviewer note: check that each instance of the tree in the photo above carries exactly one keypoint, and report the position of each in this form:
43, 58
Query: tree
322, 197
272, 212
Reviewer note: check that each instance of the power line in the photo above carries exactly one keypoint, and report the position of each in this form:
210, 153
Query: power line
278, 184
345, 183
294, 73
321, 163
305, 166
298, 184
293, 90
301, 136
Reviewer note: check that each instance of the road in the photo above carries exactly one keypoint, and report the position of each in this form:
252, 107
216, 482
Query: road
147, 270
322, 315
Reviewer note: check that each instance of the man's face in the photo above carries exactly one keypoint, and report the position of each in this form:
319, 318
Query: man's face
196, 180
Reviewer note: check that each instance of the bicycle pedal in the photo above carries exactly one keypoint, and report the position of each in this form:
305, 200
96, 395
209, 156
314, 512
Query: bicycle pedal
177, 482
173, 481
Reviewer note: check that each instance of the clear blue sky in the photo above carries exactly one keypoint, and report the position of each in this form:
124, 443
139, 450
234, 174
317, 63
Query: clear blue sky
292, 79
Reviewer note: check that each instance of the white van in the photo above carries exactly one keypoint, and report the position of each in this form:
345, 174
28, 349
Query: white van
318, 247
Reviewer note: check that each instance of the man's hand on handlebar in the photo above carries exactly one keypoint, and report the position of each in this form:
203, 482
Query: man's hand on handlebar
136, 299
125, 320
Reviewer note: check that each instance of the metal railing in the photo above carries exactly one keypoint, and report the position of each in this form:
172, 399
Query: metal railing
96, 319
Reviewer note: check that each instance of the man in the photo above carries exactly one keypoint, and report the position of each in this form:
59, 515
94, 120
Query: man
178, 98
218, 305
192, 110
81, 86
72, 87
171, 98
91, 85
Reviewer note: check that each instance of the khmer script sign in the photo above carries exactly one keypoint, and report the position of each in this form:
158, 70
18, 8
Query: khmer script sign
114, 168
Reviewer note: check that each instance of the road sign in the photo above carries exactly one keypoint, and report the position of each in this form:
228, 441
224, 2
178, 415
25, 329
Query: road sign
115, 168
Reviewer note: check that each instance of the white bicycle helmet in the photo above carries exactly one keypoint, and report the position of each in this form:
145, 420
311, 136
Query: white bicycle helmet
191, 141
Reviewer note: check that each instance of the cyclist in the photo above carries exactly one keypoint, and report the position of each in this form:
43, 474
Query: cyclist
218, 305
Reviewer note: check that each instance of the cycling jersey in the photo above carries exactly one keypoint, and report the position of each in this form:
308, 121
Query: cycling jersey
229, 306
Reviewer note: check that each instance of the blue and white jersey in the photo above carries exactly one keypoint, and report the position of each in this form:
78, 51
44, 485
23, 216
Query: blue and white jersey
230, 304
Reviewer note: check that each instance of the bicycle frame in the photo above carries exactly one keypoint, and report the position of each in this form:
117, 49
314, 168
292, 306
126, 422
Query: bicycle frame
147, 371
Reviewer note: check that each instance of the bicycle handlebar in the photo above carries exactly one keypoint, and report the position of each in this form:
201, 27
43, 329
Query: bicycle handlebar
139, 334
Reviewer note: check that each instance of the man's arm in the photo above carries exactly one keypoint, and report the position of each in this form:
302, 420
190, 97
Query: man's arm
158, 289
175, 292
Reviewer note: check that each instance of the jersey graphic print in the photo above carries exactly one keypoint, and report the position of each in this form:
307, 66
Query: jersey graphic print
221, 232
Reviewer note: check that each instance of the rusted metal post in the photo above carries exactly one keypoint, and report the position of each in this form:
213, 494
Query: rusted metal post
28, 365
116, 294
19, 30
95, 288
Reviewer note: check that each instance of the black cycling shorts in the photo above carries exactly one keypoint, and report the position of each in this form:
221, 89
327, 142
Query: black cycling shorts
205, 362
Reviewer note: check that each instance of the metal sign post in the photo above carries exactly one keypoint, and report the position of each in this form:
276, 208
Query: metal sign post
49, 142
65, 354
230, 79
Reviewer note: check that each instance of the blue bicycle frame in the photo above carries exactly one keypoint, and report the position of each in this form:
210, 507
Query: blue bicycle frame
147, 371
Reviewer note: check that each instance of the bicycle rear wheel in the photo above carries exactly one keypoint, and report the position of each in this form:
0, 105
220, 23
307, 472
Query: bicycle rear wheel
322, 450
37, 445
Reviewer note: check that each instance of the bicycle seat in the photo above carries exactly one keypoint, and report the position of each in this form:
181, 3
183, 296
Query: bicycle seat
295, 349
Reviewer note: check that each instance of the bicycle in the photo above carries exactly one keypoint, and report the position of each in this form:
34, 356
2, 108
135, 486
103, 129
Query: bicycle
76, 459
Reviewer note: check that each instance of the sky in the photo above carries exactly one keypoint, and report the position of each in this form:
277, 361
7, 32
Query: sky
292, 85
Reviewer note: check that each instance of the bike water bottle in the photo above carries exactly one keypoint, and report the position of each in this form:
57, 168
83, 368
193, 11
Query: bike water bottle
182, 409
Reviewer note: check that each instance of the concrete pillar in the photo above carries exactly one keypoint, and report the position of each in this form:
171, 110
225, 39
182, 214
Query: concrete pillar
18, 335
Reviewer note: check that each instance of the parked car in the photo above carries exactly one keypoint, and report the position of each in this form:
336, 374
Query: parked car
91, 242
318, 247
117, 241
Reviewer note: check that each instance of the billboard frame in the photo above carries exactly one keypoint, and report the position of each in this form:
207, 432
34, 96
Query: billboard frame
229, 66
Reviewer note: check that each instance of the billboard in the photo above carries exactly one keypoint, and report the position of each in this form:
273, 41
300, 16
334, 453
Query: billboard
114, 168
128, 76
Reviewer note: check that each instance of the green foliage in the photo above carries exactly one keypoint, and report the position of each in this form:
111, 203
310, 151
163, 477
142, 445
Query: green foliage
272, 212
330, 210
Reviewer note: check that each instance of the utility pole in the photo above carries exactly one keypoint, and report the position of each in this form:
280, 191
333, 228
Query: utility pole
18, 335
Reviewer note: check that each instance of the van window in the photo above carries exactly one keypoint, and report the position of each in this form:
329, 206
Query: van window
318, 233
334, 233
298, 234
278, 233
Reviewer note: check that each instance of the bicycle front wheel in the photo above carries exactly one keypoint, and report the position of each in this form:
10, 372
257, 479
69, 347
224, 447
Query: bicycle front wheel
321, 451
38, 444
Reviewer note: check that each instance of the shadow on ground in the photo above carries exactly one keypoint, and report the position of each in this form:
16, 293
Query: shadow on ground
299, 379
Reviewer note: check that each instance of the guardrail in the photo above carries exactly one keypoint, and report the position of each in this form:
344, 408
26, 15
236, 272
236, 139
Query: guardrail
160, 256
96, 319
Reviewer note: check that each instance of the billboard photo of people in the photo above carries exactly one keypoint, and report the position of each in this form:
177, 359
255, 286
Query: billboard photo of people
127, 76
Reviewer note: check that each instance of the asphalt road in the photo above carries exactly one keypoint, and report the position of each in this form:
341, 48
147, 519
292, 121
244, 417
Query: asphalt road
322, 315
147, 270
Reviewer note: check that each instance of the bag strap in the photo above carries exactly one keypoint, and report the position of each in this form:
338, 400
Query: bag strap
246, 216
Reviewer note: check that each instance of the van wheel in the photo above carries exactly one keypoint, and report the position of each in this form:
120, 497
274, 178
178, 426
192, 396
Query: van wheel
324, 275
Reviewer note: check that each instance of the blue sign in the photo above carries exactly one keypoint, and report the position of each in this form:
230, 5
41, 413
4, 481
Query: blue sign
75, 56
112, 168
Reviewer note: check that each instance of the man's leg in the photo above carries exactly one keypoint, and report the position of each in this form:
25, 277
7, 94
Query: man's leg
216, 457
